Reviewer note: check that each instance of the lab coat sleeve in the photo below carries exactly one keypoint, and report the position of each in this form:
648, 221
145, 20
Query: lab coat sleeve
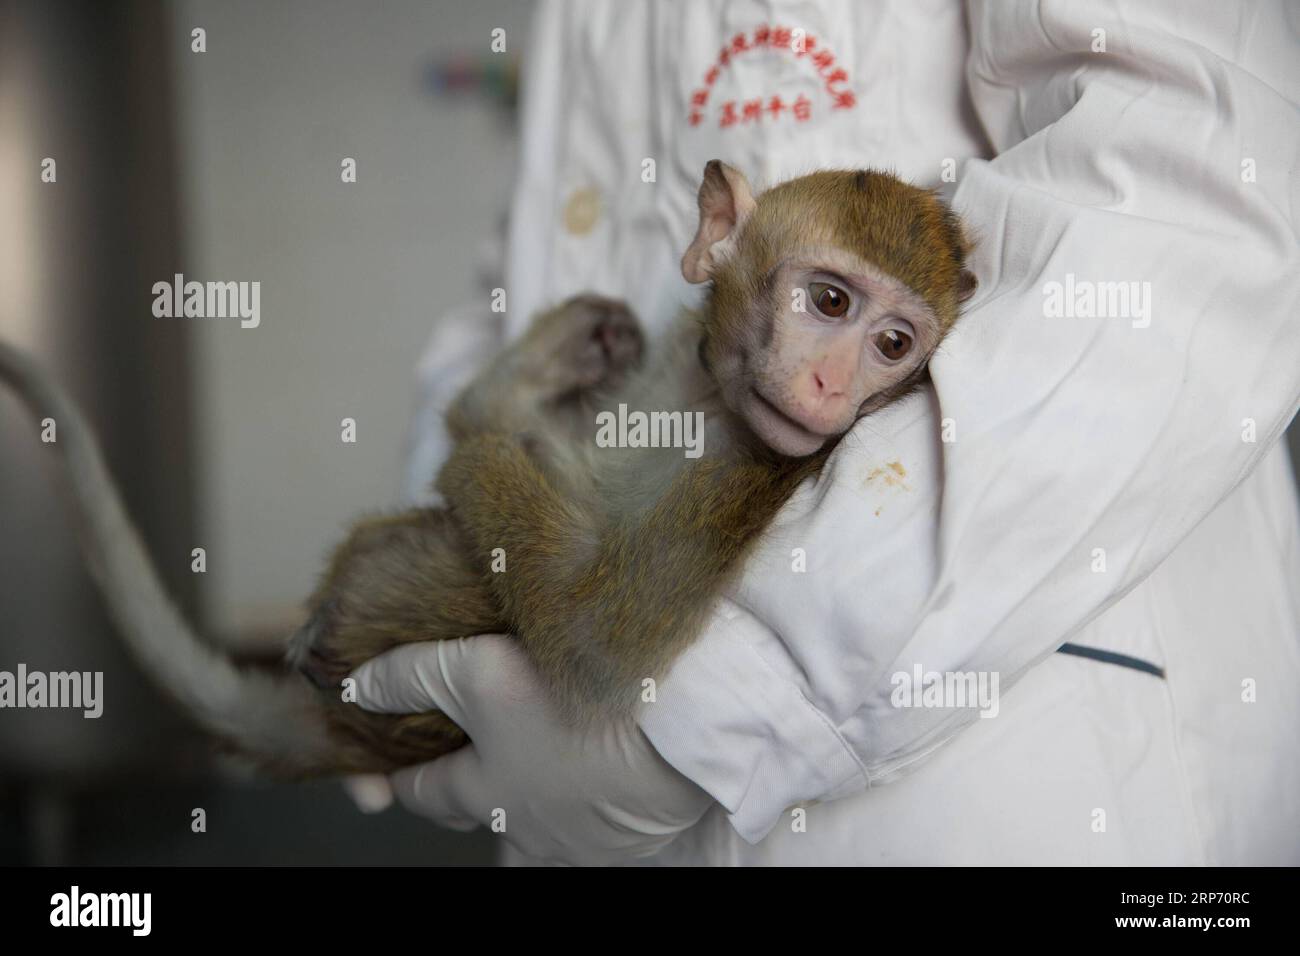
1130, 356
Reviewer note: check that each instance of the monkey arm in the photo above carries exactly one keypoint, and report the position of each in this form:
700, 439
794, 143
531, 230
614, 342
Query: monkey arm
602, 604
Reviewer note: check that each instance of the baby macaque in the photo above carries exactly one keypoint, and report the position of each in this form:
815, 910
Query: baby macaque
828, 294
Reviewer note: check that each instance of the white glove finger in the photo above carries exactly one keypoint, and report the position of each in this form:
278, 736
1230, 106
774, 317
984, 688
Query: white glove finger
440, 675
371, 792
412, 679
447, 790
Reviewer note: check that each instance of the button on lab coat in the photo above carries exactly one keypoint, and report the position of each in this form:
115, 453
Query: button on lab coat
1097, 460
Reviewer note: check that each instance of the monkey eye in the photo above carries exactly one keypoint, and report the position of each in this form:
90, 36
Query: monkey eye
830, 300
893, 344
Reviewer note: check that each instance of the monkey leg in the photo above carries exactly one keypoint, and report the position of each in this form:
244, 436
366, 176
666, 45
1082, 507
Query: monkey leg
394, 580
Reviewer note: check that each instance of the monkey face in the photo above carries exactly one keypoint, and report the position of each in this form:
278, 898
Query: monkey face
829, 294
827, 338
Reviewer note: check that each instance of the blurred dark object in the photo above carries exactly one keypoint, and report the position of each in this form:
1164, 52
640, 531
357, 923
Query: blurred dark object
492, 76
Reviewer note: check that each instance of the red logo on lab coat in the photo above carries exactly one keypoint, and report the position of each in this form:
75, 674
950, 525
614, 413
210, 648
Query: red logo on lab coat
704, 107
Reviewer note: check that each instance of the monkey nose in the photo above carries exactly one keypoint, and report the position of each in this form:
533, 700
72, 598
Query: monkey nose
823, 389
821, 403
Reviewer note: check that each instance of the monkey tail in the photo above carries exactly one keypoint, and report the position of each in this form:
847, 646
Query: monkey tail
278, 720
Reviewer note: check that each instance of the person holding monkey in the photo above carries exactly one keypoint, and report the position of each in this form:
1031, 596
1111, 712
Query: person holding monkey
1106, 477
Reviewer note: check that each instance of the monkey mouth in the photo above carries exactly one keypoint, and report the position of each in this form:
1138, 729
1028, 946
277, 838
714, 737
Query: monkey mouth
781, 431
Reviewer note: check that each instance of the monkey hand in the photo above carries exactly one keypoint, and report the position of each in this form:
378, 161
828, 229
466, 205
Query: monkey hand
555, 792
584, 345
588, 341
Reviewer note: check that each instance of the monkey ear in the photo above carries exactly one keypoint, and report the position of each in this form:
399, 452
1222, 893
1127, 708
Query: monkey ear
725, 204
966, 285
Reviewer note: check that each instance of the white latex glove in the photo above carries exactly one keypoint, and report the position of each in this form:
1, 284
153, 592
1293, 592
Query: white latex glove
595, 795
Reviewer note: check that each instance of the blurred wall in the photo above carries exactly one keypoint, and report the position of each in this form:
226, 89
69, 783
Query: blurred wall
85, 85
353, 275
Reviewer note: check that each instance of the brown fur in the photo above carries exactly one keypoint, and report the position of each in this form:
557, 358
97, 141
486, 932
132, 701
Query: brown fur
907, 231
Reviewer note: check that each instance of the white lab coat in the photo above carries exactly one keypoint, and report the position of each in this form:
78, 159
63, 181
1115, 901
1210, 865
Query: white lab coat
1112, 481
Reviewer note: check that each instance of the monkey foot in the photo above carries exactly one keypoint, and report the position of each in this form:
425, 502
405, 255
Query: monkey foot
308, 656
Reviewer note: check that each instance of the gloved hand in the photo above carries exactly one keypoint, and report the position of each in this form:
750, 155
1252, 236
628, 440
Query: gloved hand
594, 795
